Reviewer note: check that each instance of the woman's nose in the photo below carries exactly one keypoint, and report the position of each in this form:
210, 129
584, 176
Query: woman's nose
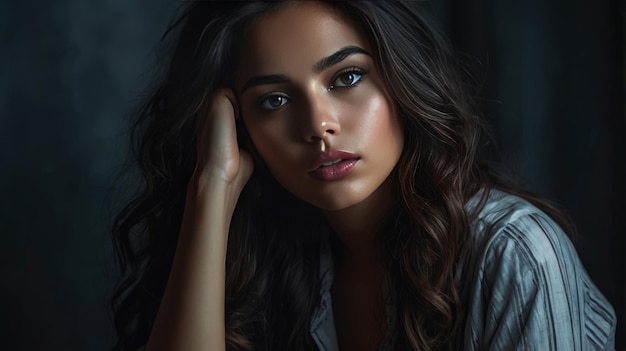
320, 120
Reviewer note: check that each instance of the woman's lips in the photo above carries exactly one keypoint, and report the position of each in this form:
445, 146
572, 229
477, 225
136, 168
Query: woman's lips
336, 170
333, 165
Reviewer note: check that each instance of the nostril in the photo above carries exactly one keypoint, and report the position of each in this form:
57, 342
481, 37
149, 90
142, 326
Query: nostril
314, 139
314, 133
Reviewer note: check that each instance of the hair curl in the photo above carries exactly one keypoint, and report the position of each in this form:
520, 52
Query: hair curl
272, 279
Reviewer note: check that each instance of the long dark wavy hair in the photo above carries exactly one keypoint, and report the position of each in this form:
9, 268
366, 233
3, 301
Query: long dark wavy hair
272, 278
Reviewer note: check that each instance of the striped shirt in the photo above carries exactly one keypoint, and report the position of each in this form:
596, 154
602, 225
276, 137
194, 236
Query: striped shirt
521, 282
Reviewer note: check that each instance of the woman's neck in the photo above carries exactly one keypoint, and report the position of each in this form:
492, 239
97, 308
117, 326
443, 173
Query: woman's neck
359, 290
358, 227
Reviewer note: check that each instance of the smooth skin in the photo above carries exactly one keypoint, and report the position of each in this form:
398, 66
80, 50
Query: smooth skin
345, 103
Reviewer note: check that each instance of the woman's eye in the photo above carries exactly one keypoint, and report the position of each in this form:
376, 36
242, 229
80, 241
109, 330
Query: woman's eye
347, 79
273, 102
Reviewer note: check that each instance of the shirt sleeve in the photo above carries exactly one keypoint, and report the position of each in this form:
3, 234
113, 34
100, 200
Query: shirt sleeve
532, 293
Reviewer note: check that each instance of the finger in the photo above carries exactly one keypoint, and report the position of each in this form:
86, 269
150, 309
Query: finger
216, 129
223, 103
230, 95
214, 107
225, 116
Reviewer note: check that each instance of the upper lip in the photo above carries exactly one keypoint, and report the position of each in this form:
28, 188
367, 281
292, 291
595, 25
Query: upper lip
330, 156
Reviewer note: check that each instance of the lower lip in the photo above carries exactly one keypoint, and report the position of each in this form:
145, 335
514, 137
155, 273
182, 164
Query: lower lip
336, 171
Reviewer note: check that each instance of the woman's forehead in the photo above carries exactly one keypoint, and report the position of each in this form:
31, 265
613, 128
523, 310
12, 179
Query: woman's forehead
298, 35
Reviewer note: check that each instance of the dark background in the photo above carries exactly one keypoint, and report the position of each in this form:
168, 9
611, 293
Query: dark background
71, 70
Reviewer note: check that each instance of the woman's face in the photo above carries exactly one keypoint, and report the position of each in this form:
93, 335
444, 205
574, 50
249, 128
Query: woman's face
306, 74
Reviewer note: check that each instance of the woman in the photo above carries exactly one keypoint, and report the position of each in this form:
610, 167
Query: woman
312, 182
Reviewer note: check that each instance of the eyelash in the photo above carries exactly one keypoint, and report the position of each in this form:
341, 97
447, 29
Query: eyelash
265, 99
346, 71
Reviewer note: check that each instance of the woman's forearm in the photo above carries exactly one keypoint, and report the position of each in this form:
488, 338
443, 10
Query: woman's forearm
191, 314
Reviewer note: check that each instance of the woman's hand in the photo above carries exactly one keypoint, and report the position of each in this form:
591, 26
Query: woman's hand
191, 314
219, 157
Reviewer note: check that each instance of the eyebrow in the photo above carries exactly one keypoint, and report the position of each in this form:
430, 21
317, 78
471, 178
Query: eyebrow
321, 65
267, 79
337, 57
